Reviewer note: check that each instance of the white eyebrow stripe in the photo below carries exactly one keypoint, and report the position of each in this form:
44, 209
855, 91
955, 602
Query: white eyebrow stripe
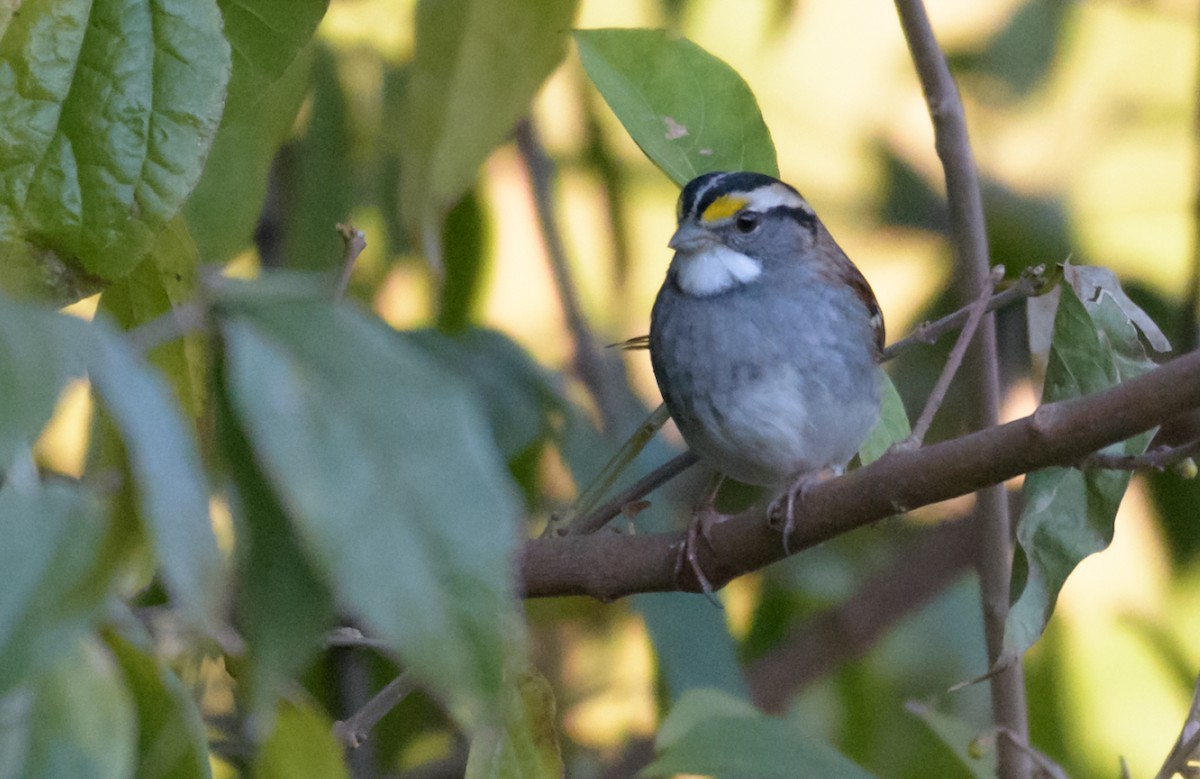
699, 196
766, 198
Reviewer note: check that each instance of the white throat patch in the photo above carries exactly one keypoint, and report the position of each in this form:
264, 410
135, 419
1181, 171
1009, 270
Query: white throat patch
715, 270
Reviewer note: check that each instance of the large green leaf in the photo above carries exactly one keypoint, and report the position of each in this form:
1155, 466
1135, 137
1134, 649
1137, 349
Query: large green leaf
172, 743
316, 170
300, 746
225, 207
892, 426
959, 736
54, 577
392, 480
266, 35
1069, 513
690, 112
516, 392
720, 738
476, 69
74, 719
281, 606
171, 490
39, 351
525, 745
107, 111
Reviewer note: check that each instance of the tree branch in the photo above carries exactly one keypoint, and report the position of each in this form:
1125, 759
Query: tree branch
953, 361
1032, 283
969, 237
589, 362
611, 566
1158, 459
352, 732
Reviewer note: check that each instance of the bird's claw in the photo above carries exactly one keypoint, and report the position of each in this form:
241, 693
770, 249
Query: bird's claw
699, 527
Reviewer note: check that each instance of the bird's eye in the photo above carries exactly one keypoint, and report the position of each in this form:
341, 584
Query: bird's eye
746, 222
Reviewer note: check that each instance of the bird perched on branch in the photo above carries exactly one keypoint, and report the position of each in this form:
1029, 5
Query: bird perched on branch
765, 341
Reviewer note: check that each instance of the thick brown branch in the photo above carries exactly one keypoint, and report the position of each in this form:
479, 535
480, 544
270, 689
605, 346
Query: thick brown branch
610, 566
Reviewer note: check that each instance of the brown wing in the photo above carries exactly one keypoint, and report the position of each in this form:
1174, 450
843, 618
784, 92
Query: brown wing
854, 279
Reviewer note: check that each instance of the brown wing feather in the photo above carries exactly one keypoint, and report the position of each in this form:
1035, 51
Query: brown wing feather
637, 342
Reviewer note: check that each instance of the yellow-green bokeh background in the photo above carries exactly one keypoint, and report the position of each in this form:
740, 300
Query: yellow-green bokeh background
1109, 134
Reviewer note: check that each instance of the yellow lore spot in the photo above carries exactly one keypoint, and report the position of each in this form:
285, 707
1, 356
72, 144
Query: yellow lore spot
723, 207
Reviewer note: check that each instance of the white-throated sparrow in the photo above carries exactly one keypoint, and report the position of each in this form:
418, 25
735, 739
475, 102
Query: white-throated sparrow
765, 338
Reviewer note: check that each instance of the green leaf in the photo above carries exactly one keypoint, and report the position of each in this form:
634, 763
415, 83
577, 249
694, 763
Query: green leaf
172, 494
390, 476
1021, 54
317, 171
281, 606
959, 737
525, 746
302, 745
266, 36
40, 351
165, 279
892, 426
239, 163
1069, 513
463, 240
695, 706
75, 719
109, 108
172, 743
689, 111
53, 575
729, 743
477, 66
515, 391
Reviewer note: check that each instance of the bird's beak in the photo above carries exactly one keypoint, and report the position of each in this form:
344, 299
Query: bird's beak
690, 237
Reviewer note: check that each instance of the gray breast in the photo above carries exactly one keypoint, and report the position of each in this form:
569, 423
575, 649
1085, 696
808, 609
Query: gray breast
767, 382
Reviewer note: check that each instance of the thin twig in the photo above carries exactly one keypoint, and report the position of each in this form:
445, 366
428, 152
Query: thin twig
602, 515
168, 326
353, 730
354, 241
569, 523
1032, 283
1046, 767
589, 362
953, 361
1158, 459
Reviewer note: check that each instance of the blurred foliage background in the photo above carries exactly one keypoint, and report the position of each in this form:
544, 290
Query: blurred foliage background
1082, 120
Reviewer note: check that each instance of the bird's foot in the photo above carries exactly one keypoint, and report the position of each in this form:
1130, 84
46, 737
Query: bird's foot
700, 527
784, 507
